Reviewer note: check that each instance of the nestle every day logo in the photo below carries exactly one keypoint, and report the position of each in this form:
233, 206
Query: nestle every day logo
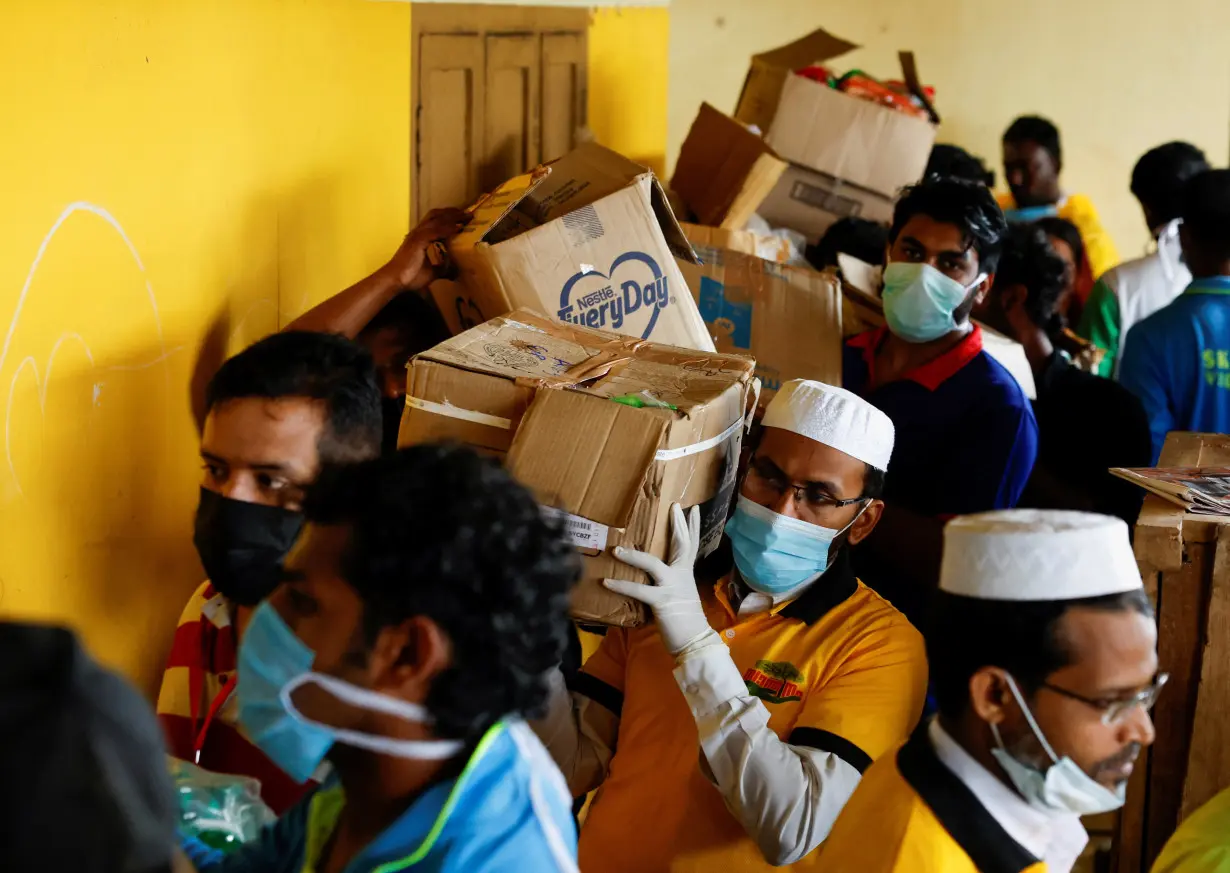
633, 289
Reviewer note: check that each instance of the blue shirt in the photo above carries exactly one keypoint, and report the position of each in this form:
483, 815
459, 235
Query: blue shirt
507, 811
966, 441
1177, 361
966, 436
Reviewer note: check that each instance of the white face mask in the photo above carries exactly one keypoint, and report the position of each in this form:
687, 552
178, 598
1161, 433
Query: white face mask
1064, 787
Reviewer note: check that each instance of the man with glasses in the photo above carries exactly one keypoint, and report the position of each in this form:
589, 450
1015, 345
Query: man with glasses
1044, 665
729, 734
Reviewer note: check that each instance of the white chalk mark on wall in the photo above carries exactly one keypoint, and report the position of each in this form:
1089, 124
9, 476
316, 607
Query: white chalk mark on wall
45, 379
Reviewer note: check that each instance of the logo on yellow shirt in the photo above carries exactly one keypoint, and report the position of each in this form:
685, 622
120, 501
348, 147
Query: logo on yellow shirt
774, 681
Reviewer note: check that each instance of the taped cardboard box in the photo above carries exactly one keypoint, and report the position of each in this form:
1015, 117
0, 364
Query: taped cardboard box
810, 202
589, 239
771, 248
863, 310
724, 170
811, 124
787, 318
606, 429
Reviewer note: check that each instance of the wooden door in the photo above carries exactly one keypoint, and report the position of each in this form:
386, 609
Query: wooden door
497, 90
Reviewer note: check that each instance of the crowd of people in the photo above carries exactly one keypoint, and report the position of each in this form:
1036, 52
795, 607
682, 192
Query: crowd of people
924, 645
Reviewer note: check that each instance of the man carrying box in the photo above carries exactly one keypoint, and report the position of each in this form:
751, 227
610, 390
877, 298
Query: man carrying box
966, 435
794, 675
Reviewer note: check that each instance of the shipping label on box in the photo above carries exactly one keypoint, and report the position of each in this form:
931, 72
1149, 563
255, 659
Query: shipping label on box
810, 202
787, 318
589, 240
607, 431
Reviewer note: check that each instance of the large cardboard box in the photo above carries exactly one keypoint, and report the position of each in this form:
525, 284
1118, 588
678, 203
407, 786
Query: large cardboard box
787, 318
589, 239
608, 430
809, 123
810, 202
767, 246
724, 170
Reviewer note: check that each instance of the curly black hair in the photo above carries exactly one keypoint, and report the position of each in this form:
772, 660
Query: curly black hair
968, 205
1036, 129
442, 532
859, 237
318, 366
1029, 261
1160, 174
1206, 212
955, 162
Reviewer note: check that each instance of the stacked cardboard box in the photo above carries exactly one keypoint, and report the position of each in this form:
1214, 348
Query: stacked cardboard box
589, 239
788, 318
606, 430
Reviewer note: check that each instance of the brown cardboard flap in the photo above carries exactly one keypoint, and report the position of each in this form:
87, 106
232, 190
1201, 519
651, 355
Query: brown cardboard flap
581, 177
814, 48
585, 455
490, 209
724, 170
676, 240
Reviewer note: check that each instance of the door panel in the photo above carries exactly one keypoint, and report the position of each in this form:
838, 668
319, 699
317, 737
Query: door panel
450, 119
511, 134
563, 92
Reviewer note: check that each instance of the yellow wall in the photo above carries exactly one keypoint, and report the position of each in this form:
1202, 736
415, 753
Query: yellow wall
1117, 76
628, 81
167, 169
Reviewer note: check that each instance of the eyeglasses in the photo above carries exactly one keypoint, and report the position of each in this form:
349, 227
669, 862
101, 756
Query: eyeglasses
765, 481
1114, 711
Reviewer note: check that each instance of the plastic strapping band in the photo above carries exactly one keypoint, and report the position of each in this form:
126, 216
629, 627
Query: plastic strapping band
457, 412
697, 448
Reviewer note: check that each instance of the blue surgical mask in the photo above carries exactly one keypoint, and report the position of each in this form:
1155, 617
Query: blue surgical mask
777, 555
919, 301
1064, 787
273, 663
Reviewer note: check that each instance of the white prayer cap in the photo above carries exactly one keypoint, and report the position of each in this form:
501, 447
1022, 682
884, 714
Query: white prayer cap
835, 417
1037, 554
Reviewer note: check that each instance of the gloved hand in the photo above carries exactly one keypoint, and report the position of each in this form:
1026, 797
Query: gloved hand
673, 598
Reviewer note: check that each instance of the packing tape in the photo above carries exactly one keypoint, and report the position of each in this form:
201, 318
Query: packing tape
697, 448
457, 412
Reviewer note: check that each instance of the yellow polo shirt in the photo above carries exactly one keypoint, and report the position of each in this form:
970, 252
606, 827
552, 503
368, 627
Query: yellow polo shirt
839, 669
911, 814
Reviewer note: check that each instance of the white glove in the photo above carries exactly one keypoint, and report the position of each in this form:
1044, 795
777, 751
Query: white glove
674, 599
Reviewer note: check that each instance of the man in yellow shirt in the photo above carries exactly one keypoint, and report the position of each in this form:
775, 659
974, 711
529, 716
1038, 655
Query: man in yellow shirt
1202, 842
729, 734
1043, 657
1033, 159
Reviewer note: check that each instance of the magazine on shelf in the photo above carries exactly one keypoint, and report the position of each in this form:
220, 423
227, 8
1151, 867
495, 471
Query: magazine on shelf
1202, 490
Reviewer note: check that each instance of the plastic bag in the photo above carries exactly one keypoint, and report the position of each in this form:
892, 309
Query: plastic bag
220, 810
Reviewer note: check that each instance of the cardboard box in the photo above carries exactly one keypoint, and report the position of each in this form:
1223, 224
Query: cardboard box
771, 248
589, 239
787, 318
863, 310
810, 202
809, 123
539, 393
724, 170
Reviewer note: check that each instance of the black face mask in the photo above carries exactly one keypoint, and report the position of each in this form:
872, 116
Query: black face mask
242, 545
390, 414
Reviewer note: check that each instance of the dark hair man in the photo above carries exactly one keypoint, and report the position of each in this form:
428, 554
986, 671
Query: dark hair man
857, 237
1033, 159
82, 759
955, 162
420, 614
746, 713
388, 314
1086, 424
966, 436
277, 412
1177, 361
1043, 654
1133, 291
